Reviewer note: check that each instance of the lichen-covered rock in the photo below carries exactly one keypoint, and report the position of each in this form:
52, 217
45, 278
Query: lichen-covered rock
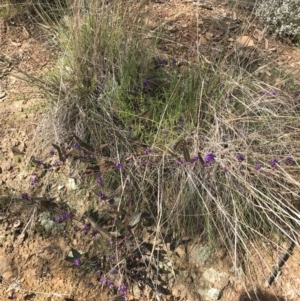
214, 293
212, 284
199, 254
48, 224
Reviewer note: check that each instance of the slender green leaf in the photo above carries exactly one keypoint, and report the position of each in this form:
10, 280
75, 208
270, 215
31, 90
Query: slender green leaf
119, 298
200, 159
102, 232
69, 259
178, 144
83, 144
172, 153
119, 225
75, 253
135, 219
60, 152
100, 245
146, 113
186, 153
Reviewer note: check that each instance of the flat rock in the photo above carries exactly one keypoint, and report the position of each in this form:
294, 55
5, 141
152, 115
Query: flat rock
199, 254
5, 268
214, 293
6, 166
218, 279
212, 284
244, 41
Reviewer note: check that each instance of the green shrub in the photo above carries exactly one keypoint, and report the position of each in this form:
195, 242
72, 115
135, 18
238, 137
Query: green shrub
282, 17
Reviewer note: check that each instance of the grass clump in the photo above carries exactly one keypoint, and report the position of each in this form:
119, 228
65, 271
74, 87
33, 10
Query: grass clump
199, 149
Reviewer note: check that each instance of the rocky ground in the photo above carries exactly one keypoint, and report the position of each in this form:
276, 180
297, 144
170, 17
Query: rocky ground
32, 264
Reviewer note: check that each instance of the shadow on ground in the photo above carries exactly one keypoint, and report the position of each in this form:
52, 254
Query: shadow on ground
259, 296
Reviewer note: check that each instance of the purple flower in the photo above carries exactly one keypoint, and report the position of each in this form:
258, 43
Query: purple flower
163, 62
133, 272
160, 63
111, 257
146, 84
209, 158
122, 289
95, 233
40, 162
77, 262
98, 274
110, 284
272, 92
114, 272
229, 95
58, 219
240, 157
56, 163
179, 161
25, 196
258, 166
52, 152
274, 163
130, 202
194, 159
174, 60
67, 215
86, 228
119, 166
148, 150
47, 165
289, 160
34, 180
103, 280
76, 146
102, 196
76, 228
100, 180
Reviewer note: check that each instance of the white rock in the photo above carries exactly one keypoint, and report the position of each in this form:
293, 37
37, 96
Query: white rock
214, 293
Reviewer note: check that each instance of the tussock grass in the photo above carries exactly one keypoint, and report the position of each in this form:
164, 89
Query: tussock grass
101, 64
109, 89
